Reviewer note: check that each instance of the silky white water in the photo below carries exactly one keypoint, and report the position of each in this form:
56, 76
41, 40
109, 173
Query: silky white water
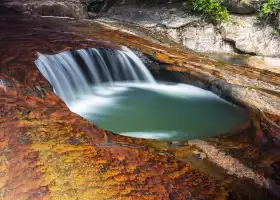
73, 73
114, 90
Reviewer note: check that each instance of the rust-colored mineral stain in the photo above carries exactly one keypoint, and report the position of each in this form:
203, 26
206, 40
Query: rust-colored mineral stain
51, 158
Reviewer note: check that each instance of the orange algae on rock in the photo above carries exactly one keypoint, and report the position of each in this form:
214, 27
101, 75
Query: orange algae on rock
63, 160
4, 169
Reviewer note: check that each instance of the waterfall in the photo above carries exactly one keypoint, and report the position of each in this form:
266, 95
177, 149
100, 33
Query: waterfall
73, 73
114, 90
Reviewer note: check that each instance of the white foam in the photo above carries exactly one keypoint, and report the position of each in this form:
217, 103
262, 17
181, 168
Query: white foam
107, 95
90, 105
151, 135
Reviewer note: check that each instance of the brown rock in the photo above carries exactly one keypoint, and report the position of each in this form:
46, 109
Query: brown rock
169, 187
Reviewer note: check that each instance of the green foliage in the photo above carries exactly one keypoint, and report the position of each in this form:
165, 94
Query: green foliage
269, 9
213, 9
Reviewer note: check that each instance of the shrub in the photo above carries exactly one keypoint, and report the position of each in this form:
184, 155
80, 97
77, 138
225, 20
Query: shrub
269, 9
213, 9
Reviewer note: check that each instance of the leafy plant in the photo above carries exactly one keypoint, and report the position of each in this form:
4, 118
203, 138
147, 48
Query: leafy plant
213, 9
269, 9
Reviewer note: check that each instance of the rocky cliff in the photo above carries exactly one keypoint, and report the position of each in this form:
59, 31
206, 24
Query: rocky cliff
242, 34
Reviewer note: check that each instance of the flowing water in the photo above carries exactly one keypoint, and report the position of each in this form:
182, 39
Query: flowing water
73, 73
114, 90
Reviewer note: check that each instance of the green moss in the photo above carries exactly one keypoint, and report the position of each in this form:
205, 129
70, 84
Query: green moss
212, 9
269, 9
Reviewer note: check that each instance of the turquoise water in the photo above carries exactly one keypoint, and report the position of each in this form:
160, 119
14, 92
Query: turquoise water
114, 90
170, 112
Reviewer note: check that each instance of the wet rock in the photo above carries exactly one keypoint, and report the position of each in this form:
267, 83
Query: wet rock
40, 92
153, 65
242, 7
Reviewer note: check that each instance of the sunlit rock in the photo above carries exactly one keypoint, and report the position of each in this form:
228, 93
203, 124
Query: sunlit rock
266, 63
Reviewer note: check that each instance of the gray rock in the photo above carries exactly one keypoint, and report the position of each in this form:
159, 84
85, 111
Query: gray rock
61, 8
250, 37
202, 39
242, 34
242, 6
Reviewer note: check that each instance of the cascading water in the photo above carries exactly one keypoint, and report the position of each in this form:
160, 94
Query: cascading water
73, 73
114, 90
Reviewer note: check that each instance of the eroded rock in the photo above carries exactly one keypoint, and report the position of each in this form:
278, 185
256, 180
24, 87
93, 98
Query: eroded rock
250, 37
202, 39
243, 34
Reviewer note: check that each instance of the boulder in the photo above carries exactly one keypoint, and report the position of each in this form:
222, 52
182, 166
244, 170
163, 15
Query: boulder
242, 6
62, 8
203, 39
243, 34
248, 36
